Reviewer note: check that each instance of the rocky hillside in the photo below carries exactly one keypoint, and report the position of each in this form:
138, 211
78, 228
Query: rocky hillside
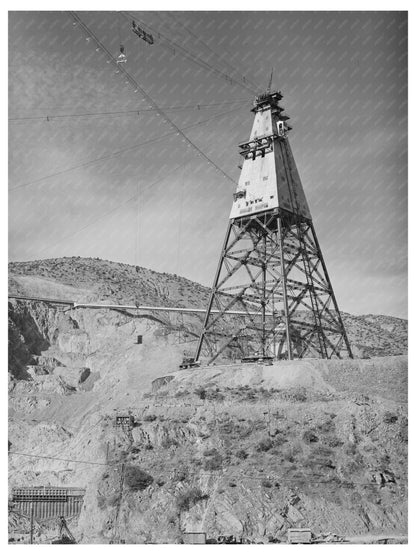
89, 280
244, 449
93, 279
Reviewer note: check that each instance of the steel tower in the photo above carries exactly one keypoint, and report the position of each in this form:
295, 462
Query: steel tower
271, 267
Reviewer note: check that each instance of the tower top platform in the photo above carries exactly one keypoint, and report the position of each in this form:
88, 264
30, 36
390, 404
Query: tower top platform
266, 100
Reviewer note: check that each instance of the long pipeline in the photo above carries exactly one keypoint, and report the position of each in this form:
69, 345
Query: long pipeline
74, 304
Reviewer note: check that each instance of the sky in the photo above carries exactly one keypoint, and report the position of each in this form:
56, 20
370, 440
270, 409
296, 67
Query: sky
120, 185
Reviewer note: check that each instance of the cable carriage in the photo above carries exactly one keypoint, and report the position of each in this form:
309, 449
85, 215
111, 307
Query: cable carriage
121, 58
147, 37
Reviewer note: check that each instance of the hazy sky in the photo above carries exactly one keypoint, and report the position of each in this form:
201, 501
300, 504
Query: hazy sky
344, 80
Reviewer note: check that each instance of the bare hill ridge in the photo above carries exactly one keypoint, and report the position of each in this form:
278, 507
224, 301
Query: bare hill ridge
92, 279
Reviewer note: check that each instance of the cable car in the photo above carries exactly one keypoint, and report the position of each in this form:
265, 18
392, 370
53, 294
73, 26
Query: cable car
121, 58
147, 37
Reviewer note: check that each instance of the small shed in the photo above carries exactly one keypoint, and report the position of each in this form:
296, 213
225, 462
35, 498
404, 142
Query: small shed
299, 535
194, 537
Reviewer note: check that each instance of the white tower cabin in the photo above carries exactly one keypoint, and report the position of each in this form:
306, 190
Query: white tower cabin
269, 177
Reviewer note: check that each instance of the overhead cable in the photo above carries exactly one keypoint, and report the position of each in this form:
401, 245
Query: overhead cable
51, 117
130, 199
175, 47
213, 52
138, 88
305, 479
122, 151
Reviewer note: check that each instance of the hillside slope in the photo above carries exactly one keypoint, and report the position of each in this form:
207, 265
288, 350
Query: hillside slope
93, 279
89, 280
238, 449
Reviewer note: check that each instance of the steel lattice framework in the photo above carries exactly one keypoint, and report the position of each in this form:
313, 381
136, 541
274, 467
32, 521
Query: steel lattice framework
271, 267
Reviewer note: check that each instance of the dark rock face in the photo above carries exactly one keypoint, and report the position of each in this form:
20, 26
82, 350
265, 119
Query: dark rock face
27, 337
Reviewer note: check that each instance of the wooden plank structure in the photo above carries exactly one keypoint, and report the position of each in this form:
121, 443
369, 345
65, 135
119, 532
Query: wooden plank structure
299, 535
194, 537
48, 502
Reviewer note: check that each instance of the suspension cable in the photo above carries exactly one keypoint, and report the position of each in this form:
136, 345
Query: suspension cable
198, 38
192, 57
118, 152
51, 117
147, 97
110, 211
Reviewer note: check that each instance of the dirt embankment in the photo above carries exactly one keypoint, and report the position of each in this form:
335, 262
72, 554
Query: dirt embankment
244, 450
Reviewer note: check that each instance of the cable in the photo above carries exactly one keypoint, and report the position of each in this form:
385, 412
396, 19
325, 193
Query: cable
107, 213
77, 443
122, 151
60, 459
185, 53
90, 162
123, 112
146, 96
196, 37
178, 250
137, 232
210, 475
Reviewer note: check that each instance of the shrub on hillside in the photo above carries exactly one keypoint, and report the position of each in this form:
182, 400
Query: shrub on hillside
210, 452
291, 452
150, 418
180, 393
214, 462
190, 497
241, 454
321, 456
310, 437
403, 433
136, 478
250, 395
201, 393
325, 427
350, 448
214, 395
334, 441
297, 395
168, 442
107, 501
265, 444
226, 427
390, 417
279, 440
180, 474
